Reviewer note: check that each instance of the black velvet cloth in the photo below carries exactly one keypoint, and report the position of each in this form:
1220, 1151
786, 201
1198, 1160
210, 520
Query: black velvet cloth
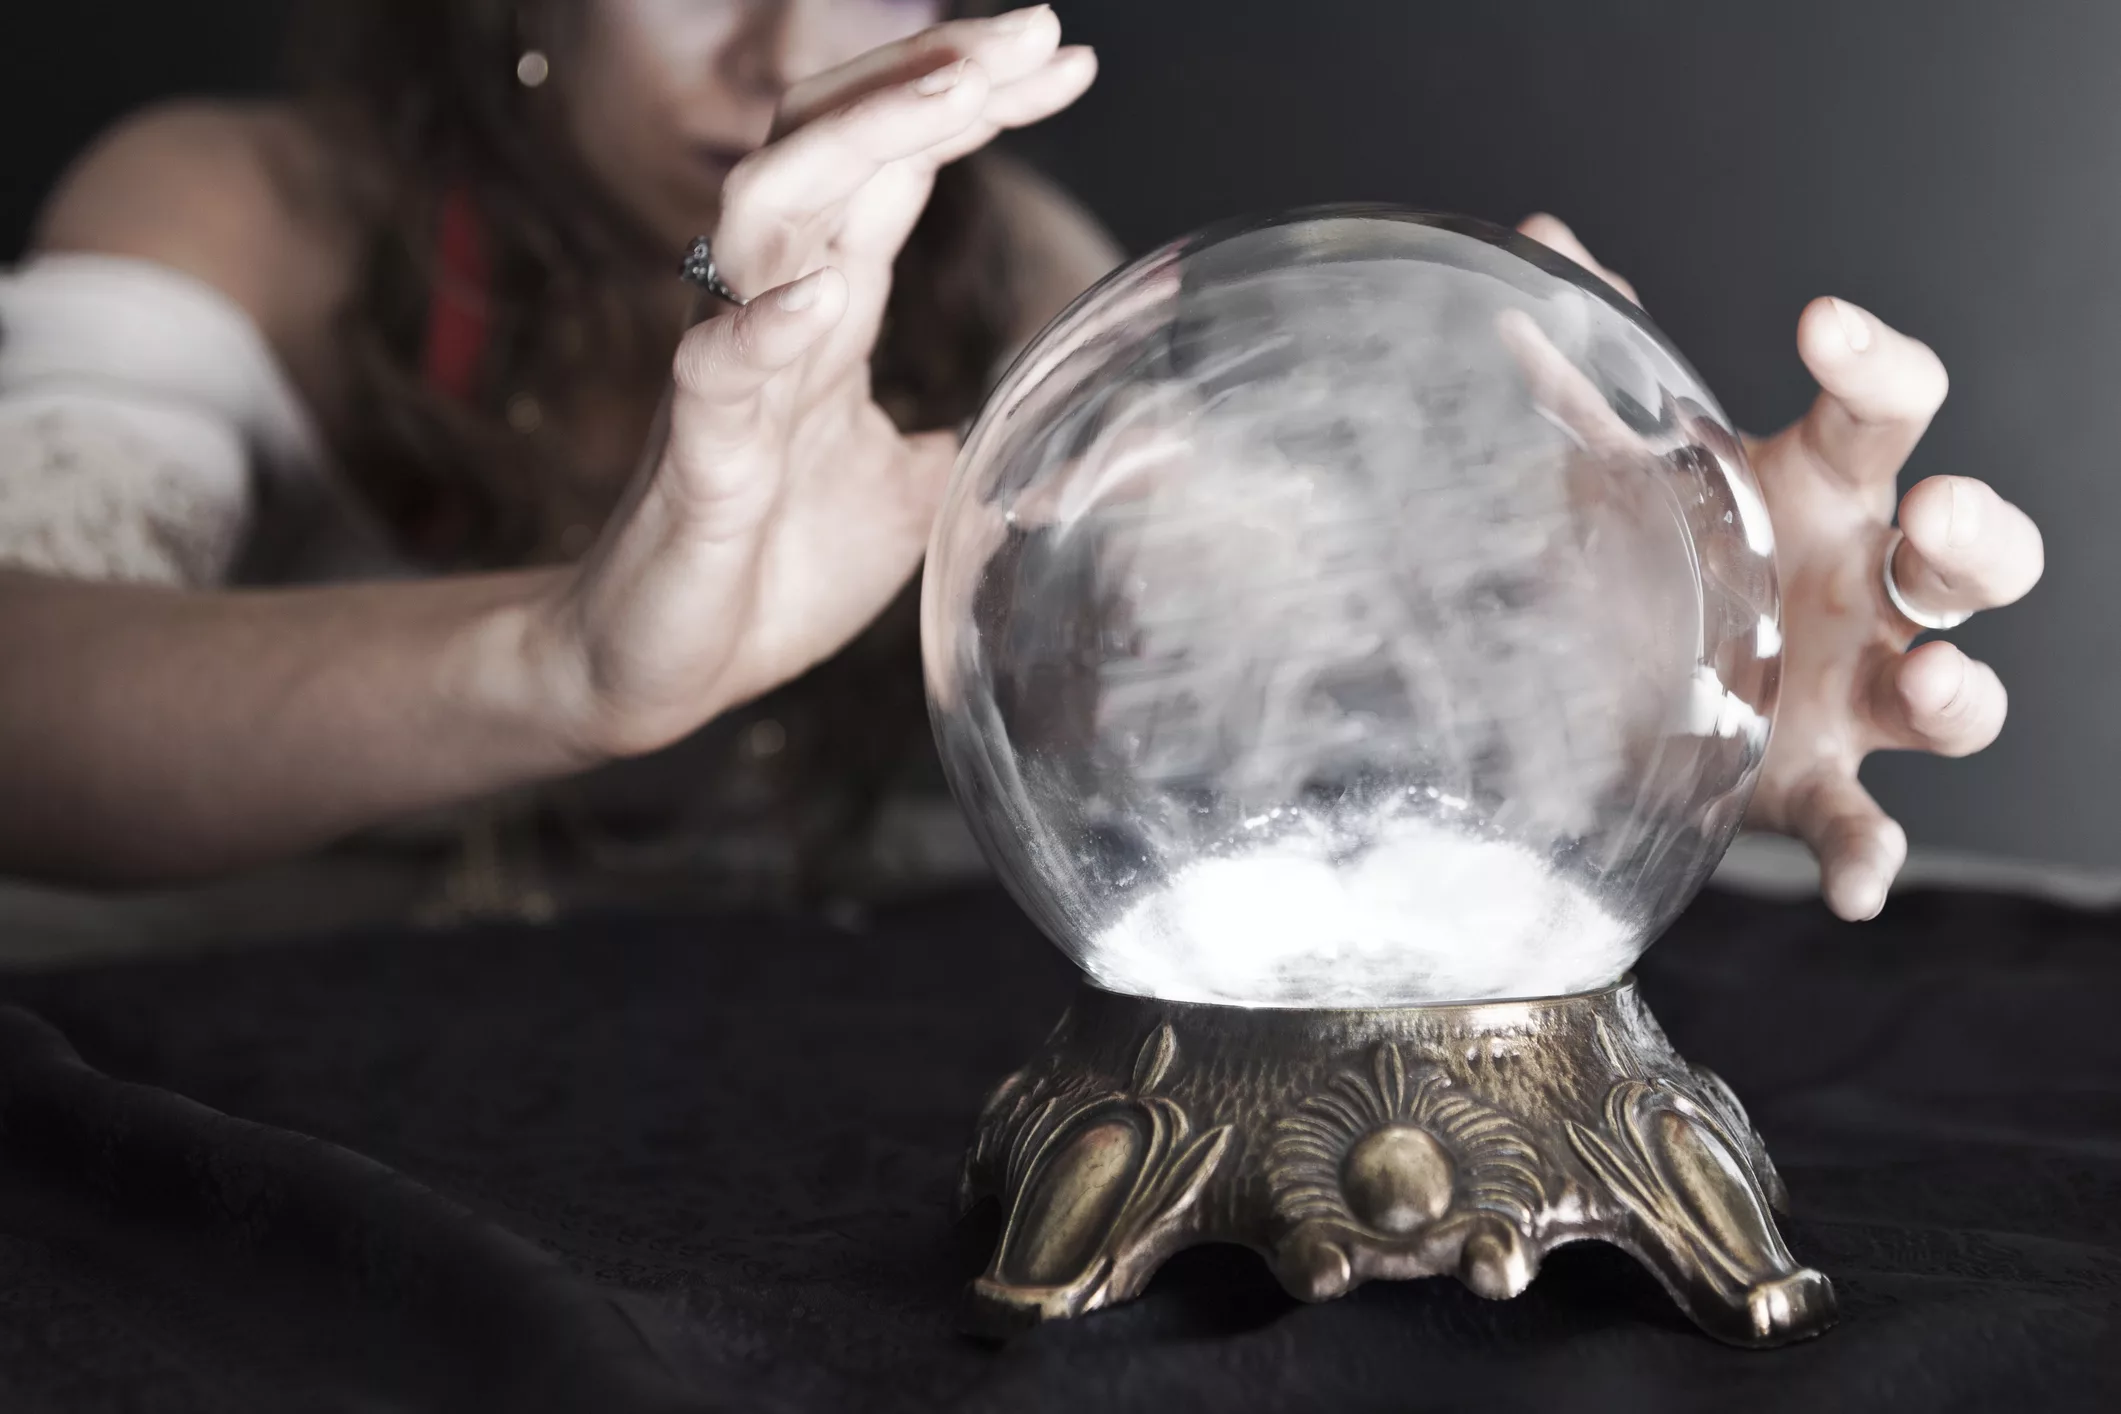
668, 1164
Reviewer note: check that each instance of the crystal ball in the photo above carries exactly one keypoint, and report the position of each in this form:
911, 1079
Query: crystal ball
1353, 608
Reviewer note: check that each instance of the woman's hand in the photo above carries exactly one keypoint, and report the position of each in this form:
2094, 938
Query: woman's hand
1850, 685
786, 509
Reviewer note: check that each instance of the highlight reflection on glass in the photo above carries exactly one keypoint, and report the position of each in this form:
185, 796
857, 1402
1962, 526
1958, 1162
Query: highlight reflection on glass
1357, 608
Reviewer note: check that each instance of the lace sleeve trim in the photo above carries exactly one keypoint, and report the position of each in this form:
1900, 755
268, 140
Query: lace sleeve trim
141, 494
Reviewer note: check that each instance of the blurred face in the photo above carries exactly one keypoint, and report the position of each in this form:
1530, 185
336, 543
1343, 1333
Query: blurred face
664, 96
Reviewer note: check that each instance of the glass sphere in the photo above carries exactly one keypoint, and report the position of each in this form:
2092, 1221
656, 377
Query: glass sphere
1354, 608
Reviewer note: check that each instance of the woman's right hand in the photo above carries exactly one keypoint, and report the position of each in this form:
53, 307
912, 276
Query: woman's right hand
786, 509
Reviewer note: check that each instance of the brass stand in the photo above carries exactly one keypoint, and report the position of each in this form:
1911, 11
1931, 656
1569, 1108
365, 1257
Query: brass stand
1346, 1145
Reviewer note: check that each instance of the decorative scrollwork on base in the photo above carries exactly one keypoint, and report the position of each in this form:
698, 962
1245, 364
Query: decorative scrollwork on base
1348, 1146
1699, 1215
1097, 1191
1400, 1168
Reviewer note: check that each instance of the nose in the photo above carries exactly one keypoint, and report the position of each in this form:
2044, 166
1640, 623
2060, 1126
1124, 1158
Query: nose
782, 43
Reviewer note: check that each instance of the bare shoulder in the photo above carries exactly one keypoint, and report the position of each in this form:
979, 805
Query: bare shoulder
1057, 248
227, 193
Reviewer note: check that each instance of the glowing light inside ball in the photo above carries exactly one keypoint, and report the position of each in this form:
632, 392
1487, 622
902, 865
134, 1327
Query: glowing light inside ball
1357, 608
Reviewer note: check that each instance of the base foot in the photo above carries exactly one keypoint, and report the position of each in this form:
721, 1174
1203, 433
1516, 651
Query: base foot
1350, 1145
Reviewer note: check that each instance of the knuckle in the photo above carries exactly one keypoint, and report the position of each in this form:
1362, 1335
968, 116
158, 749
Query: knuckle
692, 367
707, 356
1812, 805
1859, 829
713, 507
850, 131
746, 183
1847, 834
739, 344
759, 190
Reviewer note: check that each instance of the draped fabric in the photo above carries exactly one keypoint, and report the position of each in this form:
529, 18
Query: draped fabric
701, 1163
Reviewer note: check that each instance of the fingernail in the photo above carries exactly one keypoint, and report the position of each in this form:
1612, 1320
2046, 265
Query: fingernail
803, 293
1020, 19
1863, 891
941, 81
1963, 519
1854, 327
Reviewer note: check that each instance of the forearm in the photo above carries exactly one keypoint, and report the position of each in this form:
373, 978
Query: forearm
150, 735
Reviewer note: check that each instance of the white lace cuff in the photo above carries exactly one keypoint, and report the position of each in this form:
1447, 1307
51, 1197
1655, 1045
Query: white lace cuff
99, 489
136, 406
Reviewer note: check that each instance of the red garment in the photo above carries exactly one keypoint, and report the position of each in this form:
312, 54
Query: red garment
459, 317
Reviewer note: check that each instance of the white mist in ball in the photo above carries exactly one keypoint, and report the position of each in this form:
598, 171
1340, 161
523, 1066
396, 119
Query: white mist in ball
1356, 608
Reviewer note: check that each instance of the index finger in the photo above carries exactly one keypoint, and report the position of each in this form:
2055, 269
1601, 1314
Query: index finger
1561, 390
1878, 390
1007, 46
780, 190
1554, 233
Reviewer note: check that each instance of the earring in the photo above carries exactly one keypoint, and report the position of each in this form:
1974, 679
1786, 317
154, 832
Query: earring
533, 68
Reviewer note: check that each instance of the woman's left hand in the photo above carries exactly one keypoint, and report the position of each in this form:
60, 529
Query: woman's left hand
1850, 684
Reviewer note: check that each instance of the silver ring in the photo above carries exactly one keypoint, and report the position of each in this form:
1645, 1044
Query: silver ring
1935, 623
700, 269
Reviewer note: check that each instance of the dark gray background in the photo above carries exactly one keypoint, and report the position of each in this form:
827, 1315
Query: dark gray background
1948, 163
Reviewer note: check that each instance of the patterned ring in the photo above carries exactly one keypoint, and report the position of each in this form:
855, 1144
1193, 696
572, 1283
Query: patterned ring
700, 269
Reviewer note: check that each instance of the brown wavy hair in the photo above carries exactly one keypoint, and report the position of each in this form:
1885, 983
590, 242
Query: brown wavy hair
424, 94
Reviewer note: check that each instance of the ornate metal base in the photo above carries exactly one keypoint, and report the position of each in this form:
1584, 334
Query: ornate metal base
1346, 1145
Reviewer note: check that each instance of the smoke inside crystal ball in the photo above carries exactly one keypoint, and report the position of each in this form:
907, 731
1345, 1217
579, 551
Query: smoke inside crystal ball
1353, 608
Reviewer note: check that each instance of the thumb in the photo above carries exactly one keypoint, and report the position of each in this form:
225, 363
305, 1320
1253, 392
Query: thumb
721, 423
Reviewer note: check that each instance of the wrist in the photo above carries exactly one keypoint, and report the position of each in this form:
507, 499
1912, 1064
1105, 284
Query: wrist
524, 660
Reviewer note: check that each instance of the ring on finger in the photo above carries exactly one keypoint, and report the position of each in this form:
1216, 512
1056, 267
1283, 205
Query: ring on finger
699, 268
1937, 622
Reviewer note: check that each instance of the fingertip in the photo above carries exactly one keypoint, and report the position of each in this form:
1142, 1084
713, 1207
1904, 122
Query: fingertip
1857, 893
1879, 373
1836, 336
1940, 514
1078, 58
1980, 547
1932, 680
1822, 336
1543, 225
1059, 82
1857, 329
1556, 235
1859, 877
1010, 46
1024, 21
